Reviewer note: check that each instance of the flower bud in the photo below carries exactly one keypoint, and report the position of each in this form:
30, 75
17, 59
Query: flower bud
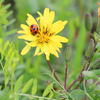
89, 49
88, 21
95, 64
68, 52
98, 24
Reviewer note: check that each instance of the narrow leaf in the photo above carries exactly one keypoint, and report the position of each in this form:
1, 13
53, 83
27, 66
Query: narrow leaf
10, 32
7, 6
34, 88
9, 13
18, 83
10, 22
90, 75
27, 85
48, 89
6, 45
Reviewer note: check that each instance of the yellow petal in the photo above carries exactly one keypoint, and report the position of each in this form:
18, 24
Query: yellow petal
21, 31
28, 37
47, 56
59, 38
46, 12
25, 50
45, 49
54, 46
31, 20
25, 27
46, 17
38, 18
40, 53
52, 50
24, 32
65, 22
51, 17
39, 13
32, 44
57, 27
37, 50
55, 41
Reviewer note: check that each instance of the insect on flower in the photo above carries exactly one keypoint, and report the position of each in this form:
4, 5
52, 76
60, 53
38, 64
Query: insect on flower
33, 29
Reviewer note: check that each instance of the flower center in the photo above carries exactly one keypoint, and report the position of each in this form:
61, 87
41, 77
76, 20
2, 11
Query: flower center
43, 38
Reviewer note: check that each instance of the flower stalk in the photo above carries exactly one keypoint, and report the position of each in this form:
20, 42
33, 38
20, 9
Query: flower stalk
66, 66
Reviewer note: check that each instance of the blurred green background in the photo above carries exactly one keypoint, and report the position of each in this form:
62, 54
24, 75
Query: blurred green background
72, 10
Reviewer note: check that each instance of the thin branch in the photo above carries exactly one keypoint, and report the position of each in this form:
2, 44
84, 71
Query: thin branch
52, 70
65, 76
80, 76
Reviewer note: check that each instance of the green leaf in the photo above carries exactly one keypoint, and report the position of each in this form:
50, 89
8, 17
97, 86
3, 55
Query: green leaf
10, 22
3, 93
34, 88
10, 32
8, 14
11, 96
27, 85
97, 72
77, 94
16, 97
96, 36
97, 89
90, 88
51, 94
6, 45
7, 6
90, 75
95, 57
48, 89
18, 83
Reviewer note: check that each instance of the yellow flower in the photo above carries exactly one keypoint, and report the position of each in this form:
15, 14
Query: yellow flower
46, 40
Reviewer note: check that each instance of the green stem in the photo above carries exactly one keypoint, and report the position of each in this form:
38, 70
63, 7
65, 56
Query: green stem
12, 84
5, 82
1, 34
46, 98
95, 84
86, 91
89, 96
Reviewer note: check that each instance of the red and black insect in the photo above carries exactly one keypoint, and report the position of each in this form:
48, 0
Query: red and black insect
34, 29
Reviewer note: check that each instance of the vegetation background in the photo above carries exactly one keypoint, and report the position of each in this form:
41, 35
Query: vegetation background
34, 67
